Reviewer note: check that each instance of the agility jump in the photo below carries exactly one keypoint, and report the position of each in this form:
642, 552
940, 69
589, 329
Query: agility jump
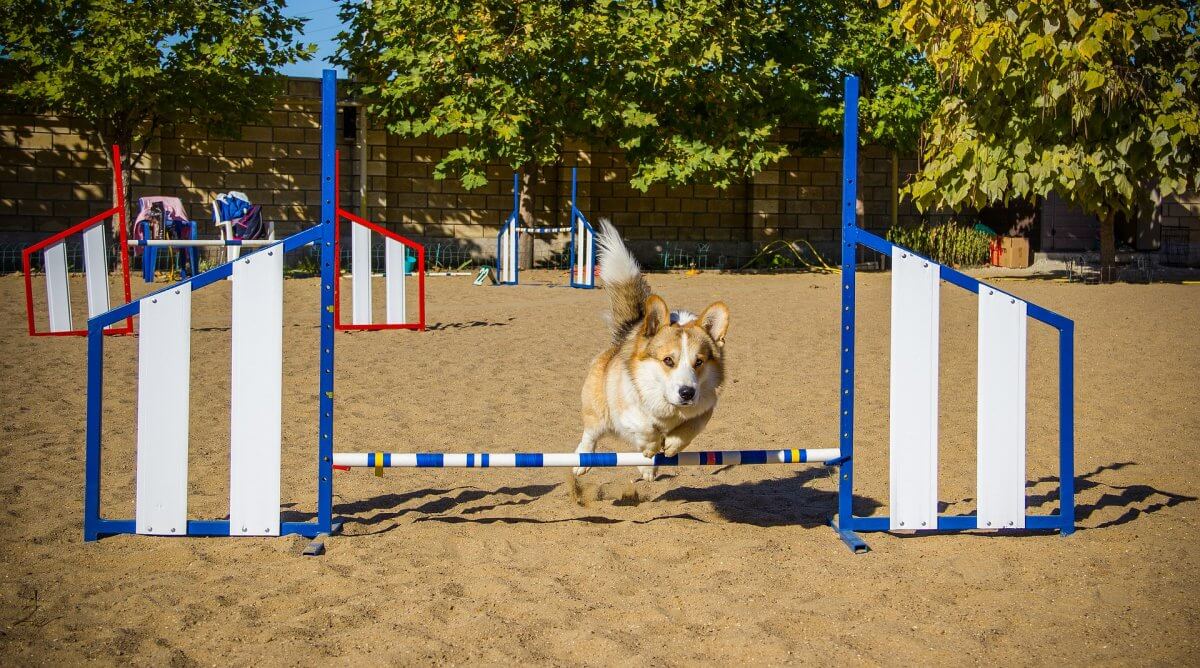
95, 263
395, 255
161, 504
96, 271
582, 258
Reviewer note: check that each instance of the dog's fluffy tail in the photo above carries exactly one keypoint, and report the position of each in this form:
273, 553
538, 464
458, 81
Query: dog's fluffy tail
627, 288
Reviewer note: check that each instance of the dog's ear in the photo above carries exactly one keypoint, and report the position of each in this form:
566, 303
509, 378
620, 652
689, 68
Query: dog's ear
657, 316
715, 321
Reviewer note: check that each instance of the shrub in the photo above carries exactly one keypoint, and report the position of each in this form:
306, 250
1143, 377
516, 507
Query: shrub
952, 242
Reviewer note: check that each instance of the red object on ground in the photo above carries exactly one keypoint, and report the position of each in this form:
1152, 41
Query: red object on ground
996, 251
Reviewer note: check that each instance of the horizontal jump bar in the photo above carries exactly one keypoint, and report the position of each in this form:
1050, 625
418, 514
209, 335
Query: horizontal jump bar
190, 243
569, 459
543, 230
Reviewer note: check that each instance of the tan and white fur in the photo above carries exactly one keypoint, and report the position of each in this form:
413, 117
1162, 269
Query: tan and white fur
657, 385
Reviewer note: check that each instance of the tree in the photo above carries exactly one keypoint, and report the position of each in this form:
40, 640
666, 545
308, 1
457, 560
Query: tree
127, 67
898, 88
690, 91
1094, 101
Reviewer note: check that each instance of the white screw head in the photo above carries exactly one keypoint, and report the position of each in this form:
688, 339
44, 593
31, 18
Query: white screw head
153, 301
172, 529
922, 524
243, 529
902, 524
989, 523
991, 292
925, 264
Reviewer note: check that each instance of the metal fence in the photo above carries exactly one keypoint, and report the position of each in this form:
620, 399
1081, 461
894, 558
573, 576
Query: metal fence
671, 256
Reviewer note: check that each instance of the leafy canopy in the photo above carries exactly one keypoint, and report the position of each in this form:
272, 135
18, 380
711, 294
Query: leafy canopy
899, 91
126, 67
690, 91
1094, 101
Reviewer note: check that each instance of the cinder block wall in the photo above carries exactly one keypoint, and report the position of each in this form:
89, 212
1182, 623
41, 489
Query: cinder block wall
53, 173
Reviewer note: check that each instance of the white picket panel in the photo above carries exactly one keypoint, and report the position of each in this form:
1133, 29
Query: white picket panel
584, 258
95, 267
394, 256
913, 421
508, 252
164, 368
1000, 435
58, 289
360, 260
256, 414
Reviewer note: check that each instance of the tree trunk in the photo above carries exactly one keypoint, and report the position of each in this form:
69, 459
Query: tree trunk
525, 216
1108, 247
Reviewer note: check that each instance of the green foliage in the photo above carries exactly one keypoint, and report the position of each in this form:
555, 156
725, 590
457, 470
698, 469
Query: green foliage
692, 92
899, 91
306, 263
126, 67
1097, 102
953, 242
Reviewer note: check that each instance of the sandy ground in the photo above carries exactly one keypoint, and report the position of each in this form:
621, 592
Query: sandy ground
701, 566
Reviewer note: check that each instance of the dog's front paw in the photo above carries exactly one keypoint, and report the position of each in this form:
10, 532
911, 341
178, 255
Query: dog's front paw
650, 451
673, 449
580, 470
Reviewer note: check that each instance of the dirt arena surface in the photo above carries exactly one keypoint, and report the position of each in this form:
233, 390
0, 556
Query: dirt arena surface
726, 566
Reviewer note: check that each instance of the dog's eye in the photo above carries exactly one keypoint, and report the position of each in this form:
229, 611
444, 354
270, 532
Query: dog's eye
699, 361
668, 361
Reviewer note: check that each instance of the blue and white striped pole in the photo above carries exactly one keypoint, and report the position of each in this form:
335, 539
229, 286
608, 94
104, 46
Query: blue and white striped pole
378, 460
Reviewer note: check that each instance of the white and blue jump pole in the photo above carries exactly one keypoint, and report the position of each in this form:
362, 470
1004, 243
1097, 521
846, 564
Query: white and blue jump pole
257, 349
382, 460
582, 246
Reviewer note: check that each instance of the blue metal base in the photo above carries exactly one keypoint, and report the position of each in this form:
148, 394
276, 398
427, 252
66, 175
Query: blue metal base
101, 528
852, 540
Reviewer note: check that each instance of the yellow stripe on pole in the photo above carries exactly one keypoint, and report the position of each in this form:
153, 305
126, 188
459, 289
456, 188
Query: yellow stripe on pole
379, 464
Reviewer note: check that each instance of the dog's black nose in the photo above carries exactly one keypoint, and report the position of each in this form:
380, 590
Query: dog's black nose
687, 393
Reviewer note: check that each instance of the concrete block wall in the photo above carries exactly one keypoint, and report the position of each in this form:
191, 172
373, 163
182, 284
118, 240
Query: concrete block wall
53, 173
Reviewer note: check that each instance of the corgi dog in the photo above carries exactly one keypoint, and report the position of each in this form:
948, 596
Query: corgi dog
657, 385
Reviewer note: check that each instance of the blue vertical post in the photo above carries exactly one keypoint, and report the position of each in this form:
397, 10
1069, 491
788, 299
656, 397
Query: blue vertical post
1066, 427
95, 414
325, 399
149, 254
845, 519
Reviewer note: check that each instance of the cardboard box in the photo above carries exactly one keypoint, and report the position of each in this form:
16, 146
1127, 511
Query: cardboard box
1014, 253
